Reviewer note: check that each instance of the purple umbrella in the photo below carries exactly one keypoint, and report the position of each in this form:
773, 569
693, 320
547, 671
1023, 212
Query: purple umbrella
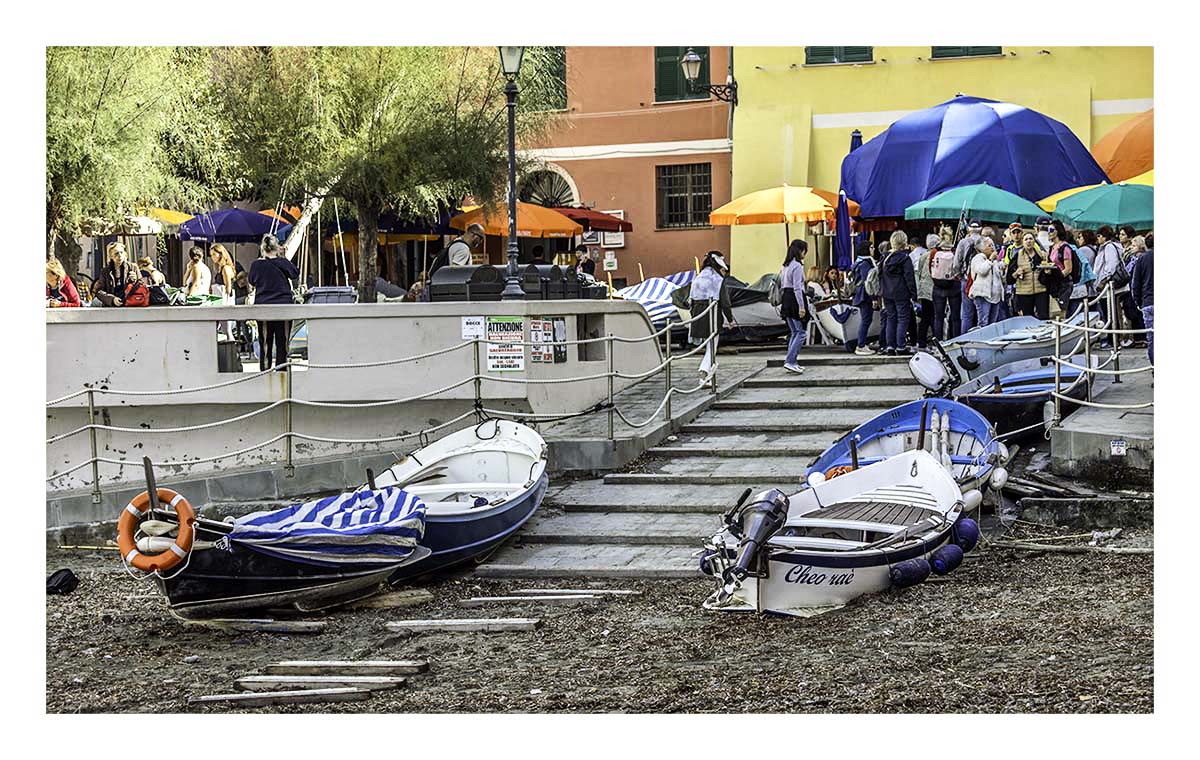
228, 225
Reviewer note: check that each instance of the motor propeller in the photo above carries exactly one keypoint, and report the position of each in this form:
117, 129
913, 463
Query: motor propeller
757, 522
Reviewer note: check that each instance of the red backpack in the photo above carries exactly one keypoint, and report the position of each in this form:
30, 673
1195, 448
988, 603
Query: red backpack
136, 294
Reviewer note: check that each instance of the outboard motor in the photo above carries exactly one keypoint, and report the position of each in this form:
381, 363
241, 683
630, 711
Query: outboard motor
934, 370
753, 524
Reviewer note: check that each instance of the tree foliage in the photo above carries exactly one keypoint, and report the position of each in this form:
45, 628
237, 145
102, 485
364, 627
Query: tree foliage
128, 127
410, 128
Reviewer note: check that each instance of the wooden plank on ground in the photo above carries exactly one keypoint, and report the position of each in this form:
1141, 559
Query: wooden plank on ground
484, 624
406, 598
266, 699
347, 667
261, 625
593, 591
567, 599
276, 682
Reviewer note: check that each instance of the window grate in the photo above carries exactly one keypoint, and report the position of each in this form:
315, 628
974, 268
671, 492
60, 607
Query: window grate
684, 195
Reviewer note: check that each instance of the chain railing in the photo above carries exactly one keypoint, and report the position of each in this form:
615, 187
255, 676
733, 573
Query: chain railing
476, 378
1110, 329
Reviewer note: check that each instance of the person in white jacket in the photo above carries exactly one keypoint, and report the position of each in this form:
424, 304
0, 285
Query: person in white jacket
987, 283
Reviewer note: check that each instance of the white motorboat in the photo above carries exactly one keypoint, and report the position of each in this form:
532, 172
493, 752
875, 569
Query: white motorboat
887, 524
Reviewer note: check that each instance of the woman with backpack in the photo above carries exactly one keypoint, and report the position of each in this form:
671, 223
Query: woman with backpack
1025, 273
1062, 256
947, 294
117, 276
859, 272
898, 286
271, 277
792, 308
1110, 269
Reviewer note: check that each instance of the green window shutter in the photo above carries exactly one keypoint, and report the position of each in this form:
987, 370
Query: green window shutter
963, 51
848, 54
669, 82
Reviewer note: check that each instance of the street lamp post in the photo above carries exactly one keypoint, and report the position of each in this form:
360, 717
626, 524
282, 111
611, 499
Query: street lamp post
691, 63
510, 64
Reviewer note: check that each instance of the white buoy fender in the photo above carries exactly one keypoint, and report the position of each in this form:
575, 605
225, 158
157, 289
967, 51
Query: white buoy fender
999, 478
972, 499
1003, 452
816, 479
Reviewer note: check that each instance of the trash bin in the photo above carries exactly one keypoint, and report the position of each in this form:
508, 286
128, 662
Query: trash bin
470, 283
542, 282
331, 294
227, 356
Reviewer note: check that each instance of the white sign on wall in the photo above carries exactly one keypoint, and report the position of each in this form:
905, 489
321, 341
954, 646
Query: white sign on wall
504, 350
614, 239
472, 328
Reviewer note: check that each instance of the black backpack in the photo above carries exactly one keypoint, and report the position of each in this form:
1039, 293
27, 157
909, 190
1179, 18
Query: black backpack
1076, 266
61, 582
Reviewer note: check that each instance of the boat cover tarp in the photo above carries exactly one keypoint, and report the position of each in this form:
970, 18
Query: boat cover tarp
682, 278
654, 295
352, 528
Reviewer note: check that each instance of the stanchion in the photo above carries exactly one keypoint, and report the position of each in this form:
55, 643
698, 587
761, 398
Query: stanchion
1115, 324
1087, 357
714, 321
609, 350
1058, 371
288, 468
478, 378
667, 405
91, 395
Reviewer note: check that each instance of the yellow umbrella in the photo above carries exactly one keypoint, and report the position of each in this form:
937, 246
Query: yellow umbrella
1146, 178
168, 217
532, 221
1050, 203
775, 205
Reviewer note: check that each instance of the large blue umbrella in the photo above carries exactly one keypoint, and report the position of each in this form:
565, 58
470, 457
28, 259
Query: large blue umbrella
966, 141
228, 225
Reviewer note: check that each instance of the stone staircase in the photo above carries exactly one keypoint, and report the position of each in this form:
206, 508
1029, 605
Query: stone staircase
649, 520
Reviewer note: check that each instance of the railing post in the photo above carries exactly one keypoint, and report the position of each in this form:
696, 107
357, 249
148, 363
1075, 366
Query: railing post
91, 396
715, 323
1087, 355
667, 405
1058, 371
478, 379
288, 468
1115, 319
609, 350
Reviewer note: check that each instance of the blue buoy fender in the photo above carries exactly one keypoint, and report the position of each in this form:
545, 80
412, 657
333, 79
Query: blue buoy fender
966, 533
910, 572
946, 559
706, 563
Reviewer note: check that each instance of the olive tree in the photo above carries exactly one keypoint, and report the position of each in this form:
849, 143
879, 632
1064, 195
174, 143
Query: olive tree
408, 128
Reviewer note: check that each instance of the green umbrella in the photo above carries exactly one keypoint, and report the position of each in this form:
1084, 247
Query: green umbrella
980, 201
1114, 205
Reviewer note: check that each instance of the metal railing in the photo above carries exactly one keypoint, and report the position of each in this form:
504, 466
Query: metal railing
1115, 333
289, 435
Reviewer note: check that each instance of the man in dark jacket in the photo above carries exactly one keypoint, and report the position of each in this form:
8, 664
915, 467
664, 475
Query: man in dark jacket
863, 264
898, 285
1142, 288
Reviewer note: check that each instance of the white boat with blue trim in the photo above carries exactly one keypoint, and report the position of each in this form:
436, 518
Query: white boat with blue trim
887, 524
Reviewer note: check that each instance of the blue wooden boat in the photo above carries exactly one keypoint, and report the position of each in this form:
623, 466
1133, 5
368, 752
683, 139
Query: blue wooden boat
1013, 396
967, 446
479, 485
979, 351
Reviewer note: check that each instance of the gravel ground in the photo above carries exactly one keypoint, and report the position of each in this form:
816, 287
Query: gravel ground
1008, 632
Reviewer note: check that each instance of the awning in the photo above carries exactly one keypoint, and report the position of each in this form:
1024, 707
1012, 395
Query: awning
595, 220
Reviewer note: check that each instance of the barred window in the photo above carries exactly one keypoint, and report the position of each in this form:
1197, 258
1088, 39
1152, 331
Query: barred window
684, 195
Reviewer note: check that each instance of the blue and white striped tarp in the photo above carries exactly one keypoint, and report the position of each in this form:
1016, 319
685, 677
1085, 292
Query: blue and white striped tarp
679, 279
654, 295
358, 527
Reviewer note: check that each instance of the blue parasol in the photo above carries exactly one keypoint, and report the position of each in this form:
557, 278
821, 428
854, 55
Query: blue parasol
227, 225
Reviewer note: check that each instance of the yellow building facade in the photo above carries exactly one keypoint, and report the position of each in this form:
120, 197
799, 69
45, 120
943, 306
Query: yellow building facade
794, 118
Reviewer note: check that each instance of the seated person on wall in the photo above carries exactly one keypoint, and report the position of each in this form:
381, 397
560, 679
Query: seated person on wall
60, 291
116, 277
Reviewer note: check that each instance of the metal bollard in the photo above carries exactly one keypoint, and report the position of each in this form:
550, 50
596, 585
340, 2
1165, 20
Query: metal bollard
669, 361
91, 396
715, 321
288, 468
1058, 372
609, 350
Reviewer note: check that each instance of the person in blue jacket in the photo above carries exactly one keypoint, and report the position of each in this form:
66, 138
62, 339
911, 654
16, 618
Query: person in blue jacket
863, 264
898, 285
1142, 289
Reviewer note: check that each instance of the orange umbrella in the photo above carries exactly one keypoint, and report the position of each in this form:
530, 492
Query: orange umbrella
532, 221
775, 205
1128, 150
288, 211
832, 199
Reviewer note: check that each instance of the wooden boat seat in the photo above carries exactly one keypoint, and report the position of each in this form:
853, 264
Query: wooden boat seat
888, 516
482, 486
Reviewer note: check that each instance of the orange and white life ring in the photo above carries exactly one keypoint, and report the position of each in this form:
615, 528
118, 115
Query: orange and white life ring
840, 469
132, 515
